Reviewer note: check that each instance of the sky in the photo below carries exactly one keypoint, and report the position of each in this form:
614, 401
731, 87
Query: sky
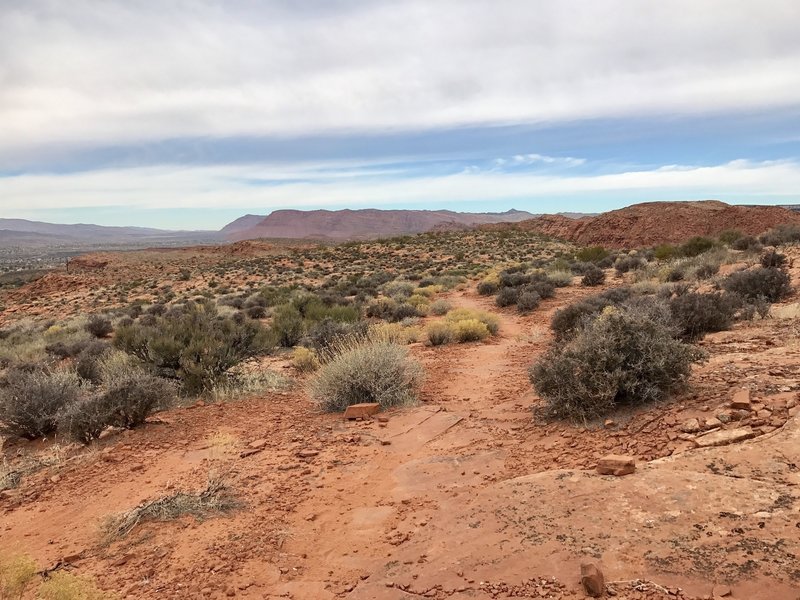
190, 113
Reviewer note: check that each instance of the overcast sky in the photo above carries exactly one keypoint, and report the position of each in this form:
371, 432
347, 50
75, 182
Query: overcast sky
189, 113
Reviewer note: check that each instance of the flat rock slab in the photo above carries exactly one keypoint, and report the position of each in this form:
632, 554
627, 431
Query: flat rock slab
361, 411
724, 437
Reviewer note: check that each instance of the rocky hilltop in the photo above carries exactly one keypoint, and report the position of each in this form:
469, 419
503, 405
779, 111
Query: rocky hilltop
652, 223
358, 224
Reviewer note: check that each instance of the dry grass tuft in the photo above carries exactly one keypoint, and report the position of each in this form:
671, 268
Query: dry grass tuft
16, 573
65, 586
216, 497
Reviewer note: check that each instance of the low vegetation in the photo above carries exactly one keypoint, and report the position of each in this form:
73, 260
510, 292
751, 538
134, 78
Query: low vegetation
364, 370
623, 357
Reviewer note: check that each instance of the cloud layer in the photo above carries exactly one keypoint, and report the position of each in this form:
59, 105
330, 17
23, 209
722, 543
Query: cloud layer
145, 105
85, 72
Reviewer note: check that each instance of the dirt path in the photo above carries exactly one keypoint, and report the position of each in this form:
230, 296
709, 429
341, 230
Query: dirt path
463, 496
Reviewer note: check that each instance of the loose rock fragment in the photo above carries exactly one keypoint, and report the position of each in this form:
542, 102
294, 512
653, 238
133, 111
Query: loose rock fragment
741, 400
361, 411
617, 465
592, 580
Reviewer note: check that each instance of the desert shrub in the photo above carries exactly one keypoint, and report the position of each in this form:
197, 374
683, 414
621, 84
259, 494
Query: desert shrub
528, 301
195, 345
134, 398
305, 360
591, 254
623, 357
402, 333
256, 312
696, 246
61, 585
507, 296
568, 321
544, 288
783, 234
16, 573
287, 327
513, 279
487, 288
746, 243
324, 333
762, 282
399, 289
593, 277
665, 252
470, 330
674, 274
439, 333
404, 311
625, 264
99, 327
85, 419
560, 278
31, 400
366, 371
87, 365
491, 321
697, 314
772, 258
729, 236
381, 308
706, 271
580, 268
439, 307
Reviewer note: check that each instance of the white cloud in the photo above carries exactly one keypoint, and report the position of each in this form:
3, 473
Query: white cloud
206, 187
86, 73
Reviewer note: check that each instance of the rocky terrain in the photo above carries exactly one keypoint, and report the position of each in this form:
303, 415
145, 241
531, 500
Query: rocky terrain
652, 223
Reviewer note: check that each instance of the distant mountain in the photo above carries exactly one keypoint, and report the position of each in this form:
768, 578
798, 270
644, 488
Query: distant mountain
652, 223
37, 233
358, 224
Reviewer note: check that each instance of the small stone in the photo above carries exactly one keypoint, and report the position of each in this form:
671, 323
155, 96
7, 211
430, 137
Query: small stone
691, 426
385, 443
383, 419
616, 465
713, 423
257, 444
592, 580
609, 423
764, 414
361, 411
721, 591
307, 453
741, 400
55, 478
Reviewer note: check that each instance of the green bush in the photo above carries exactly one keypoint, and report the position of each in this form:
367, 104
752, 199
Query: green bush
287, 327
628, 263
665, 252
591, 254
623, 357
194, 345
31, 400
470, 330
439, 307
487, 288
696, 246
366, 371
